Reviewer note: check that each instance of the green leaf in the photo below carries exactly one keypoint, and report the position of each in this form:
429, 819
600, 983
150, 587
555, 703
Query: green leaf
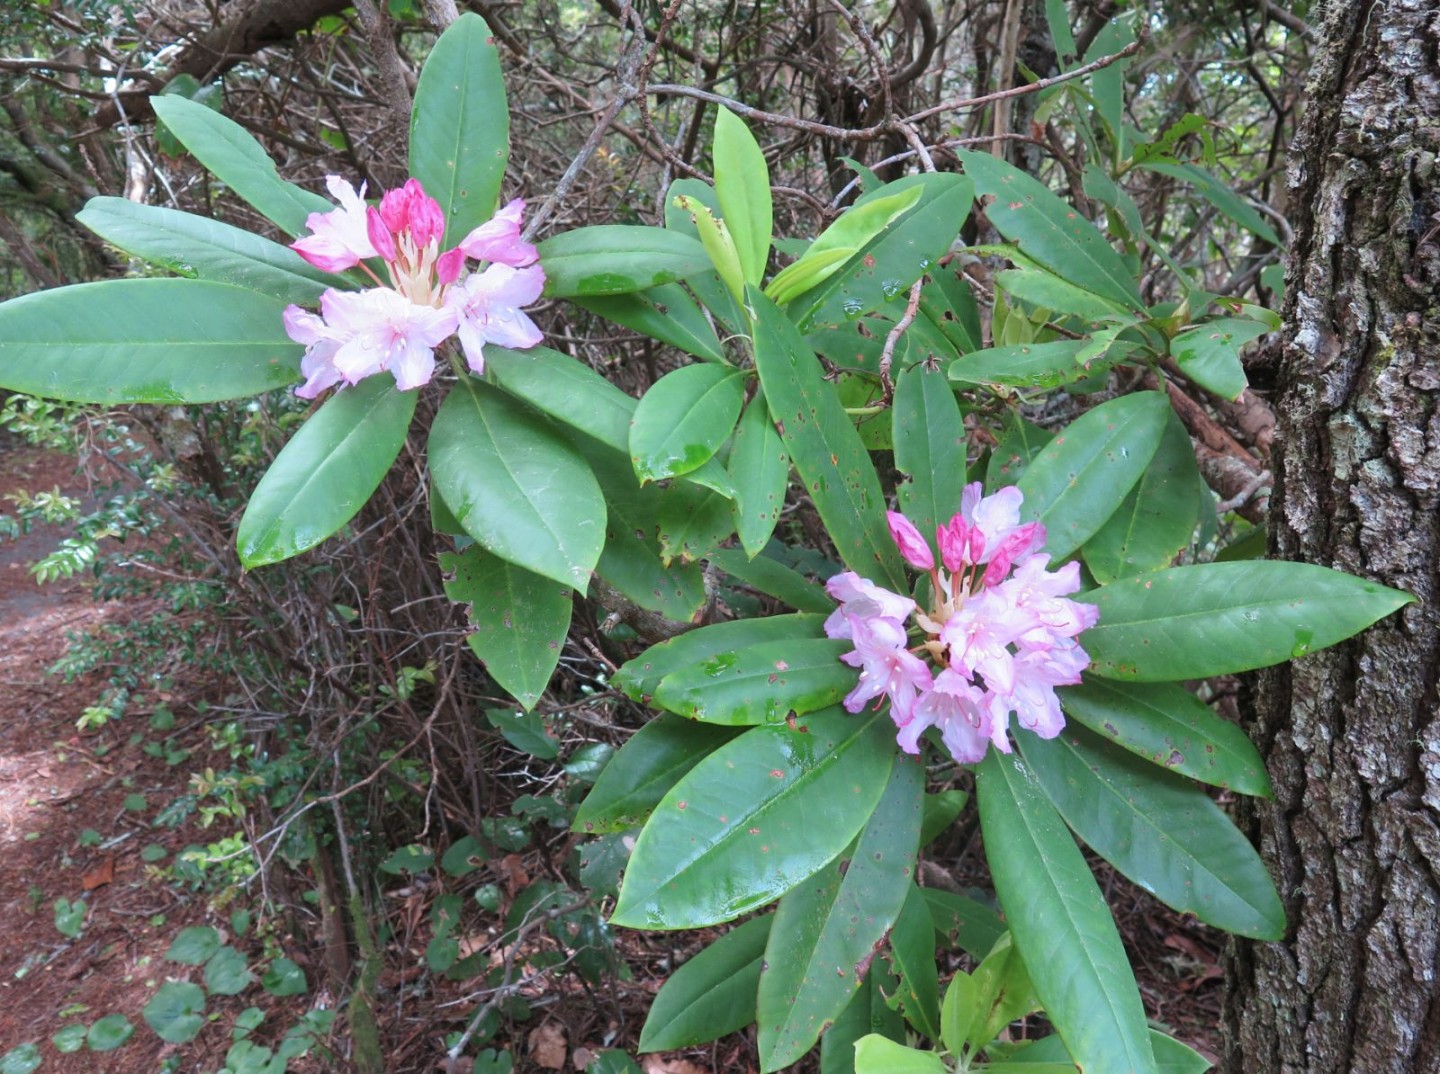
235, 158
327, 472
941, 809
516, 487
929, 438
1167, 725
194, 946
774, 579
1029, 365
683, 419
1043, 289
867, 1012
1019, 443
949, 304
615, 259
694, 522
1082, 476
719, 245
712, 292
285, 978
226, 973
644, 769
176, 1012
612, 1061
567, 390
742, 186
1223, 618
666, 313
827, 452
109, 1033
460, 126
518, 619
958, 1011
465, 855
526, 731
737, 831
875, 1054
1003, 991
195, 246
412, 858
712, 994
760, 684
1219, 194
1051, 232
69, 917
145, 341
912, 955
638, 678
20, 1060
1159, 830
1157, 518
71, 1038
760, 471
1209, 353
827, 928
964, 921
1171, 1057
1059, 921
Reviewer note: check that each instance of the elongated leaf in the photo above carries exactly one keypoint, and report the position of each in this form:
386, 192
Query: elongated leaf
145, 341
460, 126
1019, 444
964, 921
327, 471
866, 1013
235, 158
1219, 194
518, 619
516, 487
929, 437
1209, 353
615, 259
825, 447
1222, 618
827, 929
666, 313
567, 390
1050, 231
195, 246
742, 186
839, 242
1082, 476
1169, 726
760, 471
1024, 365
774, 579
1157, 518
738, 830
711, 995
912, 956
949, 304
644, 769
760, 684
875, 1054
683, 419
639, 678
712, 292
1171, 1057
1161, 831
1059, 921
693, 523
1045, 290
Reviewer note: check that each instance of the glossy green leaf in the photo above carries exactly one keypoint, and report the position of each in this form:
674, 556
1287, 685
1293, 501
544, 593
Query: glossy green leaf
69, 1038
1050, 232
176, 1012
1060, 922
760, 684
515, 486
949, 304
1003, 993
964, 921
1157, 518
644, 769
1209, 353
760, 471
799, 276
567, 390
233, 156
866, 1013
683, 419
1161, 831
327, 472
739, 830
827, 928
912, 956
742, 186
693, 524
1169, 726
1043, 289
1171, 1057
1217, 193
827, 451
526, 731
615, 259
719, 245
712, 292
1082, 476
941, 809
774, 579
666, 313
145, 341
1222, 618
638, 678
22, 1059
882, 269
1025, 365
196, 246
460, 126
518, 620
958, 1011
712, 994
880, 1055
929, 438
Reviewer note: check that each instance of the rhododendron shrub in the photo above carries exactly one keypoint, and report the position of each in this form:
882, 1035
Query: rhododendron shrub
999, 618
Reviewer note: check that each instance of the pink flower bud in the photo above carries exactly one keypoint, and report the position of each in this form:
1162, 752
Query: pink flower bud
379, 233
953, 538
448, 266
427, 222
907, 538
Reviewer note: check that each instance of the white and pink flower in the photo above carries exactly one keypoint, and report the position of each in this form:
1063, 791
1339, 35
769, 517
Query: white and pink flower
427, 296
994, 642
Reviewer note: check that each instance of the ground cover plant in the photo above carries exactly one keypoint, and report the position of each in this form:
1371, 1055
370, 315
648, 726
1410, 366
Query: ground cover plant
992, 565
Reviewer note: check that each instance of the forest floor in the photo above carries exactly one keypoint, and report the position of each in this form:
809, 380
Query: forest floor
78, 826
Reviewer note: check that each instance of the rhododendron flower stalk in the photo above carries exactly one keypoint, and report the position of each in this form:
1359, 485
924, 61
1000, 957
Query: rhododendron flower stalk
426, 296
998, 636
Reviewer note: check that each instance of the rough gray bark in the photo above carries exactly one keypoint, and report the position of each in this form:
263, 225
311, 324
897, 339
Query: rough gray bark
1352, 735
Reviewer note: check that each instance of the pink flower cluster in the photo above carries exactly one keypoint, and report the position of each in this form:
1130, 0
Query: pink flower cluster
429, 297
995, 643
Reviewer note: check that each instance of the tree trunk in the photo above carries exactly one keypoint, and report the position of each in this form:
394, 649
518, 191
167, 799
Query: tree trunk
1352, 735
